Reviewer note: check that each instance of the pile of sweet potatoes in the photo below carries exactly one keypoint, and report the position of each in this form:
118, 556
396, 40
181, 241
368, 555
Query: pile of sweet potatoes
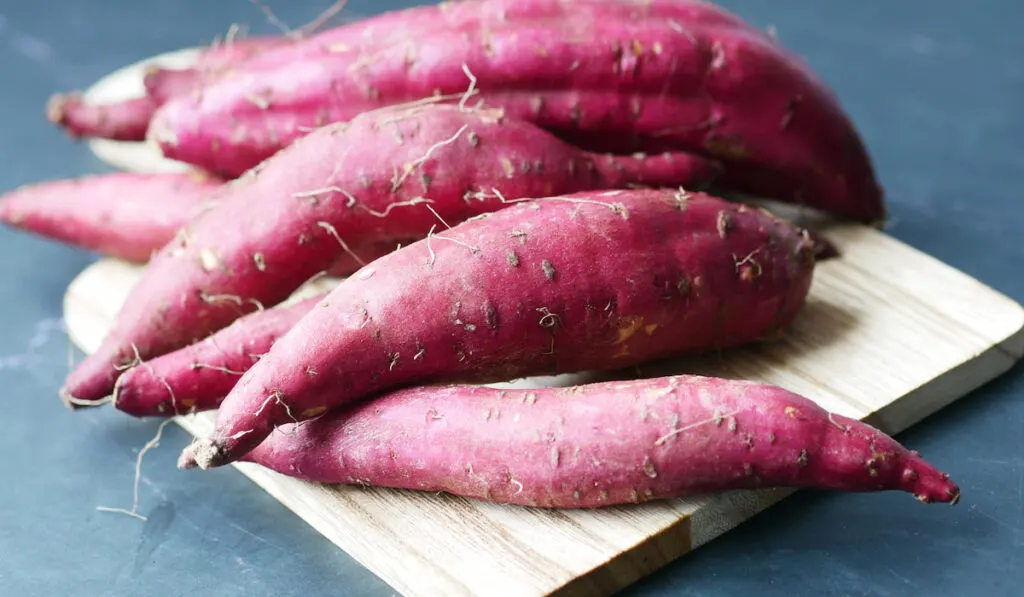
498, 189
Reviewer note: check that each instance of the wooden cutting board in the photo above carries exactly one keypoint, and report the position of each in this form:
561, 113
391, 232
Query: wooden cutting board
889, 336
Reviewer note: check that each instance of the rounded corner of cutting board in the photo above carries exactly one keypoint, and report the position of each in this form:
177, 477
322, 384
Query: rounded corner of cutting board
1015, 341
81, 311
124, 83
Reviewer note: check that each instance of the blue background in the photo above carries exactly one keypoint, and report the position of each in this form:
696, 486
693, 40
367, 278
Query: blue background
937, 89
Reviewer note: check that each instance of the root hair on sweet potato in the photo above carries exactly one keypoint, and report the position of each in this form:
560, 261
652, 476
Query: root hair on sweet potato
410, 167
344, 246
390, 206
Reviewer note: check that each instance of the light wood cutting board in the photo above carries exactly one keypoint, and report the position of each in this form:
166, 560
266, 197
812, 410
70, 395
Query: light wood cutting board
889, 336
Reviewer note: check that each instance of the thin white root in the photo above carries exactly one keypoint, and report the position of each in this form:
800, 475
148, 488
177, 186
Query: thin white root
832, 420
409, 168
312, 26
548, 319
387, 210
433, 256
134, 363
472, 249
411, 108
274, 396
438, 216
615, 206
229, 37
276, 22
80, 402
717, 418
331, 189
334, 232
138, 475
470, 91
217, 368
231, 298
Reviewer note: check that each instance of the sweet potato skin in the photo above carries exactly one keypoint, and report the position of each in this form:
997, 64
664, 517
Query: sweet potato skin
161, 84
590, 281
401, 25
131, 216
290, 214
128, 120
648, 81
123, 214
598, 444
197, 377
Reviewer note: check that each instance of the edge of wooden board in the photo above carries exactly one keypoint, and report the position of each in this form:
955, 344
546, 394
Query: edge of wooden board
716, 514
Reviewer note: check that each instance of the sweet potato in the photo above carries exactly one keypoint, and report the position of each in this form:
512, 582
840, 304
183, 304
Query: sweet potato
589, 281
197, 377
399, 25
130, 216
597, 444
393, 173
124, 215
650, 81
125, 120
128, 119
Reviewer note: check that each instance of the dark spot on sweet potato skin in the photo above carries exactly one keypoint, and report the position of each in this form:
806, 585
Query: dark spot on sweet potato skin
549, 269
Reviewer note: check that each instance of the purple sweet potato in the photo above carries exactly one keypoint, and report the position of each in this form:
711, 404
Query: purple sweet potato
646, 80
130, 216
389, 174
597, 444
125, 120
399, 25
590, 281
226, 130
124, 215
128, 120
197, 377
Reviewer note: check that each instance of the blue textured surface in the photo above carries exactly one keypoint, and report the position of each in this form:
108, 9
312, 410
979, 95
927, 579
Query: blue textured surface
937, 89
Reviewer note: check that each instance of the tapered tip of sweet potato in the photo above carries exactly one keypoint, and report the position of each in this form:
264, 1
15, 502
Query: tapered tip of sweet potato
92, 380
9, 214
126, 120
57, 108
927, 483
205, 453
187, 459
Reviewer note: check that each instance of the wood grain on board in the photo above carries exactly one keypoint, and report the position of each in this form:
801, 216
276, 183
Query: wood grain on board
889, 335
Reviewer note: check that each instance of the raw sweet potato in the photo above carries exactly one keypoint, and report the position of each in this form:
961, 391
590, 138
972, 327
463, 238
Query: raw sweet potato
400, 25
125, 120
590, 281
650, 80
597, 444
128, 120
123, 214
197, 377
389, 174
130, 216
